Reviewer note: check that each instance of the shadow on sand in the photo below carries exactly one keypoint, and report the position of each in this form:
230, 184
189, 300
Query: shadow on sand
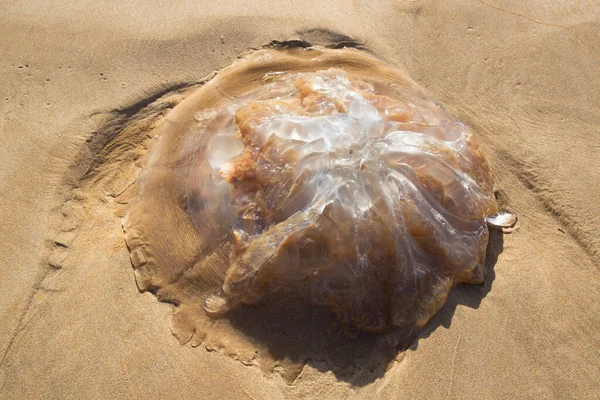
298, 333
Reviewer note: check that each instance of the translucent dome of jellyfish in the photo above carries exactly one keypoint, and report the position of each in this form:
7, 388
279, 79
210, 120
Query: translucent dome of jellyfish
318, 173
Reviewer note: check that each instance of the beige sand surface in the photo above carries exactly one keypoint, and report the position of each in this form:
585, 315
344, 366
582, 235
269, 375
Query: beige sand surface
526, 77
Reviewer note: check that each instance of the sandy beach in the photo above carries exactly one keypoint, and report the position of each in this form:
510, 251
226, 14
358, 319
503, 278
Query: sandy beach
85, 84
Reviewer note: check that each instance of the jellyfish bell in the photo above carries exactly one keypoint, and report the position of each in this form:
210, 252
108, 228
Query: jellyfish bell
323, 173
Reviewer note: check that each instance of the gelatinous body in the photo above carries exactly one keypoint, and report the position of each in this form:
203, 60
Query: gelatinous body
326, 174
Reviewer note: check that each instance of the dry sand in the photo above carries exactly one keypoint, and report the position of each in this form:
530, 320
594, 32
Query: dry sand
73, 324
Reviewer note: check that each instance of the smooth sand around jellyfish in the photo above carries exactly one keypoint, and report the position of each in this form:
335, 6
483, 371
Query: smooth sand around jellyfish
83, 86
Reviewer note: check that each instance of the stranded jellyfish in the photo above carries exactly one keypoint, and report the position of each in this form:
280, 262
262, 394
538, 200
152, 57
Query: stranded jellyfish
318, 173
